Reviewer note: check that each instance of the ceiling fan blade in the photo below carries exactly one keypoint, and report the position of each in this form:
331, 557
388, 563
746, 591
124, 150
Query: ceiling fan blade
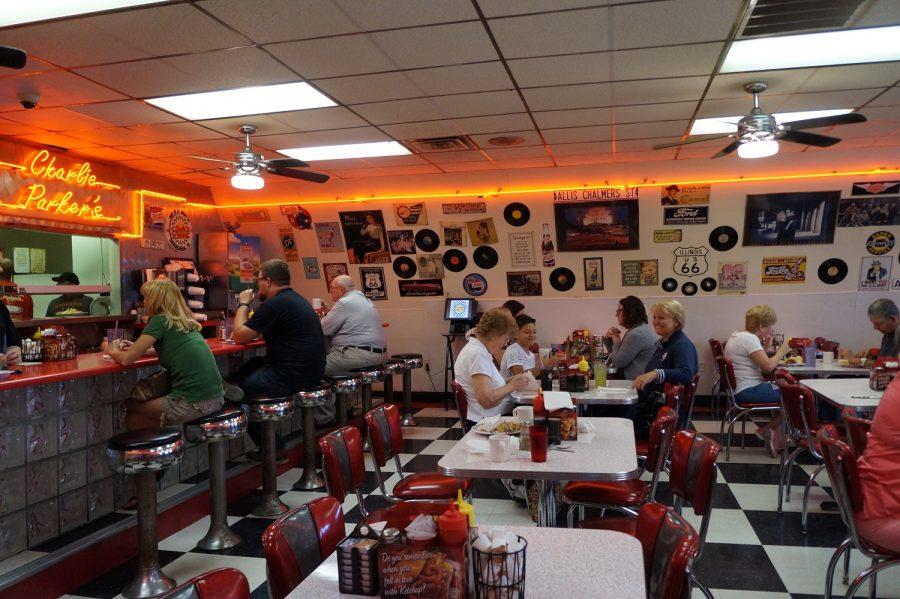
211, 159
12, 58
689, 141
810, 139
826, 121
284, 162
727, 149
303, 175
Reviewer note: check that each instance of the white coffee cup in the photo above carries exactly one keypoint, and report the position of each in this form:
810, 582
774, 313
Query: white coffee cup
523, 413
827, 357
317, 303
501, 447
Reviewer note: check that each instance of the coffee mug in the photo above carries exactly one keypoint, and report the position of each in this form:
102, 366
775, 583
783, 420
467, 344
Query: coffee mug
501, 447
827, 357
317, 303
523, 413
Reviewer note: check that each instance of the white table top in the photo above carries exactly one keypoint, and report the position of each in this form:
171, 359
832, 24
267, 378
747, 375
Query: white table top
605, 564
843, 393
822, 369
607, 454
593, 396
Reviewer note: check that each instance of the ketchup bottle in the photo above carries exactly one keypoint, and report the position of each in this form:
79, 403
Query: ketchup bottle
540, 413
453, 527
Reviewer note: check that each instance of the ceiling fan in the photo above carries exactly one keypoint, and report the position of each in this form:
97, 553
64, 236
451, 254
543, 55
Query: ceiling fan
758, 133
248, 166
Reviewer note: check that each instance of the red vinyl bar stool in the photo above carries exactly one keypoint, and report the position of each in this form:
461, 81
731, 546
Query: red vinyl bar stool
143, 453
412, 361
840, 461
462, 406
300, 540
736, 411
670, 546
628, 495
224, 583
216, 430
800, 423
343, 386
267, 411
308, 400
367, 375
386, 436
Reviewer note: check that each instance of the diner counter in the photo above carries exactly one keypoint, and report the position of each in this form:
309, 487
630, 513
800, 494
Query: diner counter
94, 364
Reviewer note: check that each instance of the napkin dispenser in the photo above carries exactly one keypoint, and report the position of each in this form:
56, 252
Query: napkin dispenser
562, 417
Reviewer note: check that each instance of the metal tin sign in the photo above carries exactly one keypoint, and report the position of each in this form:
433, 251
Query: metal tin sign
691, 261
686, 215
880, 243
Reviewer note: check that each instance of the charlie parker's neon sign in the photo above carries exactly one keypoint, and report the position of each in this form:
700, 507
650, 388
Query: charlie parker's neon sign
35, 196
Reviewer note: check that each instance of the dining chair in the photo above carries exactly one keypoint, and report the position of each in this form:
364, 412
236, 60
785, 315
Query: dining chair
690, 392
857, 430
715, 393
628, 495
462, 406
735, 410
223, 583
670, 545
298, 541
783, 375
798, 405
386, 441
840, 461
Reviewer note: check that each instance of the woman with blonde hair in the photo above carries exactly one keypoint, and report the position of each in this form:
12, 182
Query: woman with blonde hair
195, 383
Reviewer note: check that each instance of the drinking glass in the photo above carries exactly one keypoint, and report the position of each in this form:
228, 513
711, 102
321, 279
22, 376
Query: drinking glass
115, 337
538, 436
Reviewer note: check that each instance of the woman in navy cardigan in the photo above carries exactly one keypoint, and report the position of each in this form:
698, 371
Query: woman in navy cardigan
674, 361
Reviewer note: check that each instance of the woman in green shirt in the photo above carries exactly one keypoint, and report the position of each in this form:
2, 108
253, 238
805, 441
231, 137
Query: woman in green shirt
195, 383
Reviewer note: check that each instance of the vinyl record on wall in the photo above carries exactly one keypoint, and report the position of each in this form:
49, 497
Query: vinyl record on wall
485, 257
708, 284
455, 260
723, 238
689, 288
562, 279
516, 214
669, 284
832, 271
404, 267
427, 240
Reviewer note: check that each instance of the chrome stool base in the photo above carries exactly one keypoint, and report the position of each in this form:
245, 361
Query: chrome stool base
309, 479
269, 504
411, 361
149, 580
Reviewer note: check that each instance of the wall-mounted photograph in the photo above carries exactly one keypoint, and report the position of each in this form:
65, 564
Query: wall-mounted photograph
797, 218
869, 212
589, 226
402, 242
593, 274
366, 237
523, 283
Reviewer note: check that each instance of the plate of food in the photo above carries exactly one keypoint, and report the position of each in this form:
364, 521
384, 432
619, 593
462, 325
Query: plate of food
505, 425
71, 312
792, 361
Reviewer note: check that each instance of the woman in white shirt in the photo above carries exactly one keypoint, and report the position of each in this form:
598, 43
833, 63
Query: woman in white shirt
746, 350
519, 357
487, 393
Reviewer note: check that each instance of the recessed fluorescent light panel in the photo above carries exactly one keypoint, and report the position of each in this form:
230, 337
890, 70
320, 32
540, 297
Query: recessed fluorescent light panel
16, 13
370, 150
728, 124
262, 99
853, 46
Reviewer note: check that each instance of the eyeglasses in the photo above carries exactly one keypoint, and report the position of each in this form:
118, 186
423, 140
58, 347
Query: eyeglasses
619, 310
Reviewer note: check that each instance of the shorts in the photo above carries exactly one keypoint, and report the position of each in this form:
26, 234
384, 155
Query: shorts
179, 411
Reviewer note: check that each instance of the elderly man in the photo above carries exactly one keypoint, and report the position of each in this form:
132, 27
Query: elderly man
885, 318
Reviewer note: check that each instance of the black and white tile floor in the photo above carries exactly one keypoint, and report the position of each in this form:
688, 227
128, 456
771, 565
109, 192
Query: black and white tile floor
752, 551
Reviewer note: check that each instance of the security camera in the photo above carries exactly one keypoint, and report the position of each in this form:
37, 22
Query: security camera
29, 101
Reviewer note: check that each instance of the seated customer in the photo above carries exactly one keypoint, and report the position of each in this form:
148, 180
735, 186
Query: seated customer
195, 384
674, 361
879, 474
885, 317
631, 352
747, 351
487, 393
295, 346
520, 356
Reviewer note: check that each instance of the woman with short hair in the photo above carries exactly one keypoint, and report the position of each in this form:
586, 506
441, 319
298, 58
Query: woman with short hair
487, 393
631, 352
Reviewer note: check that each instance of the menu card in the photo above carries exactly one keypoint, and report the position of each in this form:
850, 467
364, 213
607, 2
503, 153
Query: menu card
422, 573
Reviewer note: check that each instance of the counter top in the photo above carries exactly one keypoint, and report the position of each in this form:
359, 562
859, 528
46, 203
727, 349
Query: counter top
89, 365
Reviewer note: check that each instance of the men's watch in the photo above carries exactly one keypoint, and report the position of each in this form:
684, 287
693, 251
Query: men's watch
243, 304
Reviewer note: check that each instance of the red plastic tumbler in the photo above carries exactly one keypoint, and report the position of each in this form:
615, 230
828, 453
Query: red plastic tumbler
538, 443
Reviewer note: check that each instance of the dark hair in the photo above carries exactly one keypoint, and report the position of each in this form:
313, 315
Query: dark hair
513, 306
277, 271
524, 319
633, 312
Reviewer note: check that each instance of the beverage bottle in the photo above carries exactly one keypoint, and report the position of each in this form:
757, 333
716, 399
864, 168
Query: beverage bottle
547, 248
540, 413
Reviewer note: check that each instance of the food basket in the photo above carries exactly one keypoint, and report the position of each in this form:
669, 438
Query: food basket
499, 575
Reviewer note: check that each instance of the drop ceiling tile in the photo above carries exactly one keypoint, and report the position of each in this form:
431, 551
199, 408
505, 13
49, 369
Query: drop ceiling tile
668, 23
655, 156
461, 167
175, 132
153, 165
11, 128
730, 107
858, 76
422, 129
578, 149
110, 136
498, 8
276, 20
71, 43
822, 100
333, 57
455, 156
225, 69
441, 107
345, 164
882, 12
570, 96
576, 134
786, 81
57, 88
55, 119
162, 150
32, 65
320, 138
888, 98
126, 113
408, 160
517, 152
265, 124
56, 139
219, 148
531, 138
467, 126
318, 119
110, 154
525, 163
654, 112
371, 88
193, 163
672, 61
678, 89
561, 70
574, 118
413, 169
643, 145
553, 33
584, 159
644, 130
437, 45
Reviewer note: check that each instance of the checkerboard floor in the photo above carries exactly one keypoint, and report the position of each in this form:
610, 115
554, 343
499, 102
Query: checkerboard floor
752, 551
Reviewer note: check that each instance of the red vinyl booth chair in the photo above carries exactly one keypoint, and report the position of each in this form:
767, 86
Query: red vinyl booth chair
628, 495
716, 392
784, 376
690, 392
224, 583
386, 441
674, 393
857, 430
344, 464
840, 462
462, 405
299, 541
670, 546
736, 411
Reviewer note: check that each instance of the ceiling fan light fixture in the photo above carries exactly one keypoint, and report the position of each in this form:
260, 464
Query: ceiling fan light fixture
247, 181
728, 124
758, 148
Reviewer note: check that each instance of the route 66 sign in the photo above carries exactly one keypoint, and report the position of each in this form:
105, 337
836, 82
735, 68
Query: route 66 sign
691, 261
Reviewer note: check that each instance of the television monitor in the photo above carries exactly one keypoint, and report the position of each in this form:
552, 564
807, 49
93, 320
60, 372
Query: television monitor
460, 309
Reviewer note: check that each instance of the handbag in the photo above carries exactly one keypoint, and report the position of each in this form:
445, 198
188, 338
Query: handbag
151, 387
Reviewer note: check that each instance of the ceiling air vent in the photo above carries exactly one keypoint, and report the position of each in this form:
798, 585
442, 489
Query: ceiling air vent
442, 144
777, 17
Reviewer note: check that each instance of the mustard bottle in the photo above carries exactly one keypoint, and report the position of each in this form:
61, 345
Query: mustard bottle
465, 507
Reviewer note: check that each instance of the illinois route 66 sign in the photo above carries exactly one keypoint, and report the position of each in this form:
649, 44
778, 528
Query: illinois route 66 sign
691, 261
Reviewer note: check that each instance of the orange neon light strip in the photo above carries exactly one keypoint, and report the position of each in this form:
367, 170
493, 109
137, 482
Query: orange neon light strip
11, 165
139, 210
